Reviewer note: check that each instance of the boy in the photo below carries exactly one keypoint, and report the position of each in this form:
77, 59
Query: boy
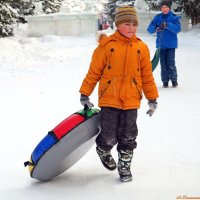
121, 64
167, 26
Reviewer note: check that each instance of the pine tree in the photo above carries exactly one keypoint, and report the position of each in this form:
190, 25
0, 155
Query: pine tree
51, 6
7, 18
192, 10
24, 7
110, 7
153, 4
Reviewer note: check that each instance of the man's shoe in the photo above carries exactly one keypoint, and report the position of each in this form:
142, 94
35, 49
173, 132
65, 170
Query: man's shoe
106, 159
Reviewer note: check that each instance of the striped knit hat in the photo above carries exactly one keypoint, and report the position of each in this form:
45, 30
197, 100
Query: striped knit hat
126, 14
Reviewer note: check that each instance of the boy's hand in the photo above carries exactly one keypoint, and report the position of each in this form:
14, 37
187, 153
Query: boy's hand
152, 107
158, 29
85, 100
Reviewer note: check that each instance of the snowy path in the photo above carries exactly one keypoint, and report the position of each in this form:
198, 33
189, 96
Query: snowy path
39, 83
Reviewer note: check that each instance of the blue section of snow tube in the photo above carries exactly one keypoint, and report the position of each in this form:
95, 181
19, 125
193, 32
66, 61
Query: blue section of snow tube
46, 143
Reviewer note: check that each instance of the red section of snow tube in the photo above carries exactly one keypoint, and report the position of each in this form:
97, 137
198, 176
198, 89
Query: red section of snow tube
67, 125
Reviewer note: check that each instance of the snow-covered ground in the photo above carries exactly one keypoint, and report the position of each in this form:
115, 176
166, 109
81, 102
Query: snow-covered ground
39, 83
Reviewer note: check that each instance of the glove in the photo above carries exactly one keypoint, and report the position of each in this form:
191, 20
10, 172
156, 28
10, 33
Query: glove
164, 25
158, 29
85, 100
152, 107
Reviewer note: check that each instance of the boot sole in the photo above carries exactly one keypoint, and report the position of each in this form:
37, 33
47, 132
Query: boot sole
126, 179
107, 167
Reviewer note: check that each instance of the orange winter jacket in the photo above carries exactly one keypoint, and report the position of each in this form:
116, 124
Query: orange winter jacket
123, 69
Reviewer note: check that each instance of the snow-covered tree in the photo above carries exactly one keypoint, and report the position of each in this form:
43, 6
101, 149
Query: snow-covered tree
24, 7
83, 5
7, 18
51, 6
111, 5
153, 4
192, 10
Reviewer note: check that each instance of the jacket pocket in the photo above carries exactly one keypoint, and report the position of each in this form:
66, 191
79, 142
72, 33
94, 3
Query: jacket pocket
105, 87
138, 88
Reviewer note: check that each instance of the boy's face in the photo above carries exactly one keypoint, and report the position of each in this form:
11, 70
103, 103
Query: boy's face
127, 29
165, 9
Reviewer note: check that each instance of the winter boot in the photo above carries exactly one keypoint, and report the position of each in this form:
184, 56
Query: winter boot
106, 158
165, 84
124, 165
174, 84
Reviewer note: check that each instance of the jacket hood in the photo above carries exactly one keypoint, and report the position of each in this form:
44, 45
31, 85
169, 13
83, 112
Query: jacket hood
171, 13
104, 39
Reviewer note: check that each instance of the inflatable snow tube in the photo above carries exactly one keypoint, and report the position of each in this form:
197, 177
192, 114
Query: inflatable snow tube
64, 145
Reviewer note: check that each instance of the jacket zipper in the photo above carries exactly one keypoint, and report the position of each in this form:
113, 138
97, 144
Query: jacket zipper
138, 53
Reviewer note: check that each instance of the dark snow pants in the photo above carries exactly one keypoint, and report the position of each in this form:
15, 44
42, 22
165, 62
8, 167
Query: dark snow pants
117, 127
168, 67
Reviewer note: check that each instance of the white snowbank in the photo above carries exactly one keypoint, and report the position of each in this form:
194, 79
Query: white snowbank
39, 83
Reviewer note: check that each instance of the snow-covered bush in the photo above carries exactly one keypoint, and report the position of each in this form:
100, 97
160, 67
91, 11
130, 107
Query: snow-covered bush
24, 7
51, 6
7, 18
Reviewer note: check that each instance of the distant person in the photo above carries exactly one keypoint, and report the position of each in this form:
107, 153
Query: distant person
121, 64
167, 26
